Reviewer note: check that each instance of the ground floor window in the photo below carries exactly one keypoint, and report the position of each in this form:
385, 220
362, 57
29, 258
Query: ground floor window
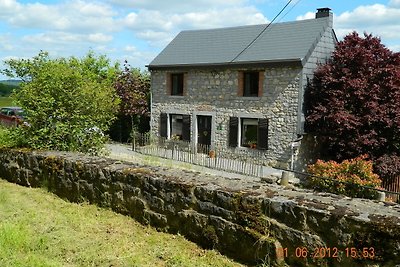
175, 126
248, 132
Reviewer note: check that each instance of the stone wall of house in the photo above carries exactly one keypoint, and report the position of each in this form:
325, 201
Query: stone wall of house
319, 54
215, 93
246, 220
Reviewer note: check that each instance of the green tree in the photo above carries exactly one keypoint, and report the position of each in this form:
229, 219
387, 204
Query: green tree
69, 102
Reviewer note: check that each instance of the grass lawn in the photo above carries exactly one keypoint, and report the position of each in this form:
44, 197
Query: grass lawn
39, 229
5, 101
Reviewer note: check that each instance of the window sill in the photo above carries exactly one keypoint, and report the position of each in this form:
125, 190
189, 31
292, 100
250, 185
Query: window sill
176, 96
251, 97
245, 148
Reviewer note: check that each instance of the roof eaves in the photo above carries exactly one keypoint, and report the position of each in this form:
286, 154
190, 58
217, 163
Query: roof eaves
225, 64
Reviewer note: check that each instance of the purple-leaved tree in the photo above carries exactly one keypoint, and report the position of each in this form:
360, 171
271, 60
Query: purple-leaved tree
133, 88
353, 101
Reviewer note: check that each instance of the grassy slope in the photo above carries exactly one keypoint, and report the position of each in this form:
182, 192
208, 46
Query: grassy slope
39, 229
5, 101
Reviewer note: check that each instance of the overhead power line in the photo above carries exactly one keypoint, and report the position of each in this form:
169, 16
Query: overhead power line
287, 12
259, 35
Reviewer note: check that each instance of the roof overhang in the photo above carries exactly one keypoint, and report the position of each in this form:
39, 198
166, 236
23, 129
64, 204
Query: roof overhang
239, 64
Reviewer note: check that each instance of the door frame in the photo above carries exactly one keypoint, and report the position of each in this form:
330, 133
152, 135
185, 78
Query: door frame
196, 130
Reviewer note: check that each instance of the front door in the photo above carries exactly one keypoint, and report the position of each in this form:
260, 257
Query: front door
204, 133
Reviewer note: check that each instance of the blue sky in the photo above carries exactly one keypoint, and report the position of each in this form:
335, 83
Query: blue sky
137, 30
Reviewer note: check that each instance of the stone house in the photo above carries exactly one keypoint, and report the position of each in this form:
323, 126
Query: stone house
240, 88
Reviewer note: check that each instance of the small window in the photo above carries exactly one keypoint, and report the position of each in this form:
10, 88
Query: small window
177, 84
249, 133
250, 83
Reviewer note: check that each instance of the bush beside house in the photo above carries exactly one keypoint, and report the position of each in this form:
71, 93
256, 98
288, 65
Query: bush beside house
352, 105
345, 178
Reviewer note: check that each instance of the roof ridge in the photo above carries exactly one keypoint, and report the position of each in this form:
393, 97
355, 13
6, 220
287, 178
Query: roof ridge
251, 25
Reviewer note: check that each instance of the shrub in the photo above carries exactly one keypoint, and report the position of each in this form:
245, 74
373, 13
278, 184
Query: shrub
345, 178
10, 137
68, 102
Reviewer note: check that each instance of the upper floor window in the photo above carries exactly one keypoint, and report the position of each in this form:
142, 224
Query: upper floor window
251, 83
176, 83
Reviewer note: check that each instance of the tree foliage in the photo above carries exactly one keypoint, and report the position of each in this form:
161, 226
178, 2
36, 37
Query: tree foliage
68, 102
133, 88
353, 101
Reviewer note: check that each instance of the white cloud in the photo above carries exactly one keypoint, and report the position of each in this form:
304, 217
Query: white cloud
158, 28
308, 15
130, 48
156, 38
48, 38
178, 6
377, 19
395, 48
5, 43
394, 3
74, 15
370, 15
99, 38
9, 7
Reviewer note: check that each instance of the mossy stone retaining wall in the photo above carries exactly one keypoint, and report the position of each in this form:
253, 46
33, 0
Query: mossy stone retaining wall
252, 223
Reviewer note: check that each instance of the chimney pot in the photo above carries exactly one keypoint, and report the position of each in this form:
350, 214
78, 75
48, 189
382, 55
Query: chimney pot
322, 12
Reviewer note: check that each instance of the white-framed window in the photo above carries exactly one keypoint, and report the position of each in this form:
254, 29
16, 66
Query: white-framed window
248, 132
175, 126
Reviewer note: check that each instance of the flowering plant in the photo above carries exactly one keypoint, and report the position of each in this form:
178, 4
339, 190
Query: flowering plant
347, 177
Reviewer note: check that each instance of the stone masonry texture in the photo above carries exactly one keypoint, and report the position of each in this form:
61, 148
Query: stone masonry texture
250, 222
215, 93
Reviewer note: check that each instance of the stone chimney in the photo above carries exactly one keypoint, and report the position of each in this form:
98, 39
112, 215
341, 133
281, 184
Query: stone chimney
323, 12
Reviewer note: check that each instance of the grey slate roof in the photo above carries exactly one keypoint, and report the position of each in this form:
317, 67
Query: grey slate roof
280, 42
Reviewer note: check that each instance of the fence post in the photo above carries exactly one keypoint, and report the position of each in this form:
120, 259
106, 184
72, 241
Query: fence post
133, 140
285, 178
380, 196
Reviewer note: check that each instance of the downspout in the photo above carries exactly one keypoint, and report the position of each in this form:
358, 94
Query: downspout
151, 105
295, 144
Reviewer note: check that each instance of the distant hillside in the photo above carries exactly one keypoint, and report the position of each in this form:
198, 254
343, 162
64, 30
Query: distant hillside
11, 82
8, 86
